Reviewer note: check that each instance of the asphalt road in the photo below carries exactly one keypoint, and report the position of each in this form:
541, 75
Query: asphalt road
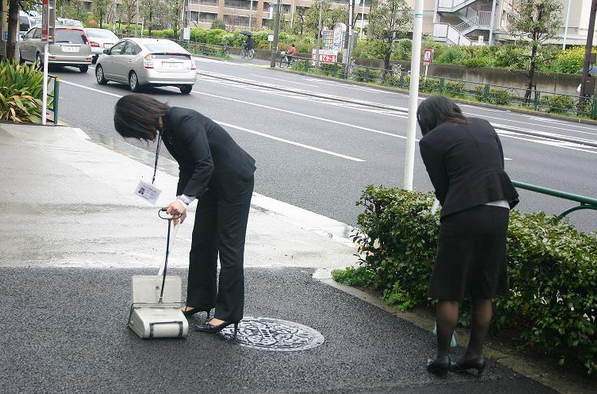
319, 143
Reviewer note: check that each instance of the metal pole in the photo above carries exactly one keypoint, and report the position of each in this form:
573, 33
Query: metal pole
586, 89
114, 16
292, 9
411, 129
44, 105
319, 34
137, 18
492, 23
250, 14
272, 62
566, 27
350, 32
362, 20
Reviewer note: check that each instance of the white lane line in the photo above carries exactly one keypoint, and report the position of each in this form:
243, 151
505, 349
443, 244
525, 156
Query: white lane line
284, 80
88, 88
301, 114
327, 152
242, 129
545, 141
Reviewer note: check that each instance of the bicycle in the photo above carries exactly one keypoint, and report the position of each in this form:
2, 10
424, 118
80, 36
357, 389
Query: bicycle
284, 61
250, 53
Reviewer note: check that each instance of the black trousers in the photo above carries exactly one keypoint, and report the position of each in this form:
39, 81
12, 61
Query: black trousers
220, 229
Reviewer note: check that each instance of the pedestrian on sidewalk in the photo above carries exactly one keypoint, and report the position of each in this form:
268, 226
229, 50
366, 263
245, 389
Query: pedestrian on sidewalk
465, 162
219, 174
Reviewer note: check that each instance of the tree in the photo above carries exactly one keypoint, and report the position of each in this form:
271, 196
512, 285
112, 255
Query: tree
75, 9
535, 22
13, 23
389, 20
150, 10
128, 11
100, 8
175, 9
218, 24
329, 17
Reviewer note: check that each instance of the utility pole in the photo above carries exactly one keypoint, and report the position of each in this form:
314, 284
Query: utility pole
350, 32
272, 62
566, 27
413, 97
319, 34
137, 19
492, 23
114, 16
250, 14
588, 82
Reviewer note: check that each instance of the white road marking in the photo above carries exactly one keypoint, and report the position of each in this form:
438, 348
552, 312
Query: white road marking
241, 128
327, 152
284, 80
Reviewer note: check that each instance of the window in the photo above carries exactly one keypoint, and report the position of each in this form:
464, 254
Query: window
24, 23
117, 49
37, 33
131, 49
70, 36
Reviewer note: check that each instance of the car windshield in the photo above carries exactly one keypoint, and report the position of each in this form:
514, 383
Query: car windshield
70, 36
165, 47
100, 34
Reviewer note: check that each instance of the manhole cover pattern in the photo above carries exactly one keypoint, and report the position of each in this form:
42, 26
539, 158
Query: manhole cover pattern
273, 335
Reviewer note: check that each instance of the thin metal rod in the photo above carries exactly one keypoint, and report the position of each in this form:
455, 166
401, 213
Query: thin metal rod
166, 261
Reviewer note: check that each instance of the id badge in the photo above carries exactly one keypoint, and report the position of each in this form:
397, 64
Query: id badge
148, 192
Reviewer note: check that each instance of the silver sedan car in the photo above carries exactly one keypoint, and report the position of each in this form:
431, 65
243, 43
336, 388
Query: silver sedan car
141, 62
100, 39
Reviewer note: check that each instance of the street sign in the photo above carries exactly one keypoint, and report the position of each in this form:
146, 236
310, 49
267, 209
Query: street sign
45, 13
325, 55
427, 57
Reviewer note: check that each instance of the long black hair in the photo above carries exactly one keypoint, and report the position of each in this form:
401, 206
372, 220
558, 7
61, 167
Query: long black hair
436, 110
138, 116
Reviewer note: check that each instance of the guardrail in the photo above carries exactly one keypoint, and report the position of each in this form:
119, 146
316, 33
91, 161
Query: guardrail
54, 97
585, 202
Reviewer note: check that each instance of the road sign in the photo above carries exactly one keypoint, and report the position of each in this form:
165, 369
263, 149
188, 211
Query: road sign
325, 55
45, 12
427, 57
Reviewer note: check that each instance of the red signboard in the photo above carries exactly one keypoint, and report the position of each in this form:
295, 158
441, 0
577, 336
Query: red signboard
427, 57
45, 17
325, 55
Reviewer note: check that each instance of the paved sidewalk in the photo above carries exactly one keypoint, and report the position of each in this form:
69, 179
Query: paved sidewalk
72, 233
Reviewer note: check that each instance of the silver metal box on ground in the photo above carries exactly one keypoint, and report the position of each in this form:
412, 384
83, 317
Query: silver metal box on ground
152, 317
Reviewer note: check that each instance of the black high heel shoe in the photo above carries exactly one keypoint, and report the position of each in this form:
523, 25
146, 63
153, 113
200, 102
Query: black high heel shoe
476, 363
191, 312
440, 366
212, 329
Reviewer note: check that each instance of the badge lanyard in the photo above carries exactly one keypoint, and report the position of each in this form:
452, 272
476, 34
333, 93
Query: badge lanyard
157, 154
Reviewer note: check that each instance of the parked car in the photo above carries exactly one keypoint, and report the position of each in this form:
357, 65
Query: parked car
100, 39
141, 62
25, 23
70, 48
69, 22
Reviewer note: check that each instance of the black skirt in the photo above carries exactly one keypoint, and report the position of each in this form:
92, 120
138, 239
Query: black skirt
471, 255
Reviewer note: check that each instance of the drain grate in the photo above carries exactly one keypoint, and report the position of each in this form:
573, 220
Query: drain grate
277, 335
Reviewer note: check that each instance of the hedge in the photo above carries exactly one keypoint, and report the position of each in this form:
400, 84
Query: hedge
21, 92
552, 271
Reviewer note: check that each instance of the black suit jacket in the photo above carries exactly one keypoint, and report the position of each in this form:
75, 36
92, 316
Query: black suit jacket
206, 154
466, 165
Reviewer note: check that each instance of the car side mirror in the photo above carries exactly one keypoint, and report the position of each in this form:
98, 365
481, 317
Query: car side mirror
107, 51
23, 36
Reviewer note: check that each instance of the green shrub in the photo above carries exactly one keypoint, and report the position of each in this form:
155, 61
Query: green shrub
429, 85
452, 55
508, 55
21, 92
552, 270
558, 104
360, 276
454, 89
333, 69
476, 62
366, 74
218, 24
569, 61
495, 96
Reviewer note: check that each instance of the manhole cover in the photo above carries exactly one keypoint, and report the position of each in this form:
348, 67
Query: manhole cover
273, 335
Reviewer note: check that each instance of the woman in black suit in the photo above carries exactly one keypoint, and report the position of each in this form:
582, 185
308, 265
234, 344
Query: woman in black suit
465, 162
219, 174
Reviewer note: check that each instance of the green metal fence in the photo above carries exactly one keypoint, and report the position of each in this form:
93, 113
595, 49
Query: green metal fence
536, 100
53, 97
585, 202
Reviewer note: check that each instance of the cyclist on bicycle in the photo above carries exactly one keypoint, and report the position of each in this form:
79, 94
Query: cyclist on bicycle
249, 44
291, 53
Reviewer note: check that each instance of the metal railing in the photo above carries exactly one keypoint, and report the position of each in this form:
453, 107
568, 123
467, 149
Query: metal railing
54, 97
585, 202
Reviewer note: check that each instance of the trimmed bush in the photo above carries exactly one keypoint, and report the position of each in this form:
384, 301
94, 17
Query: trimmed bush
558, 104
495, 96
454, 89
552, 271
21, 92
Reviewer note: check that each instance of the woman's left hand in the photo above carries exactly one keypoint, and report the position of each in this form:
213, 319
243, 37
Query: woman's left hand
176, 208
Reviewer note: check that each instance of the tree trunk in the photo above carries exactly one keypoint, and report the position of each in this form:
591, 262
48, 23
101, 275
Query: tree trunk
13, 29
101, 15
150, 22
527, 95
386, 59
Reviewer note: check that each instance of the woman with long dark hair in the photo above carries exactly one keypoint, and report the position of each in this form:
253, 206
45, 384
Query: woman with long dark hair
219, 174
465, 162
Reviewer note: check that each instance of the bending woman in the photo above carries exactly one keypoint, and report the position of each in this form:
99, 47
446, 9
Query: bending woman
465, 162
219, 174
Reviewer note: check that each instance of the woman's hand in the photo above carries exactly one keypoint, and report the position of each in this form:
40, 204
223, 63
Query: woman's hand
176, 208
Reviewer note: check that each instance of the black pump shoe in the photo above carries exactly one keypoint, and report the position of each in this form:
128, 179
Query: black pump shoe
476, 363
440, 366
191, 312
210, 328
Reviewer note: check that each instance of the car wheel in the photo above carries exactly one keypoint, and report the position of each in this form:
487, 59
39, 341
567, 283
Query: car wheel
84, 68
99, 75
134, 82
94, 60
185, 89
38, 61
